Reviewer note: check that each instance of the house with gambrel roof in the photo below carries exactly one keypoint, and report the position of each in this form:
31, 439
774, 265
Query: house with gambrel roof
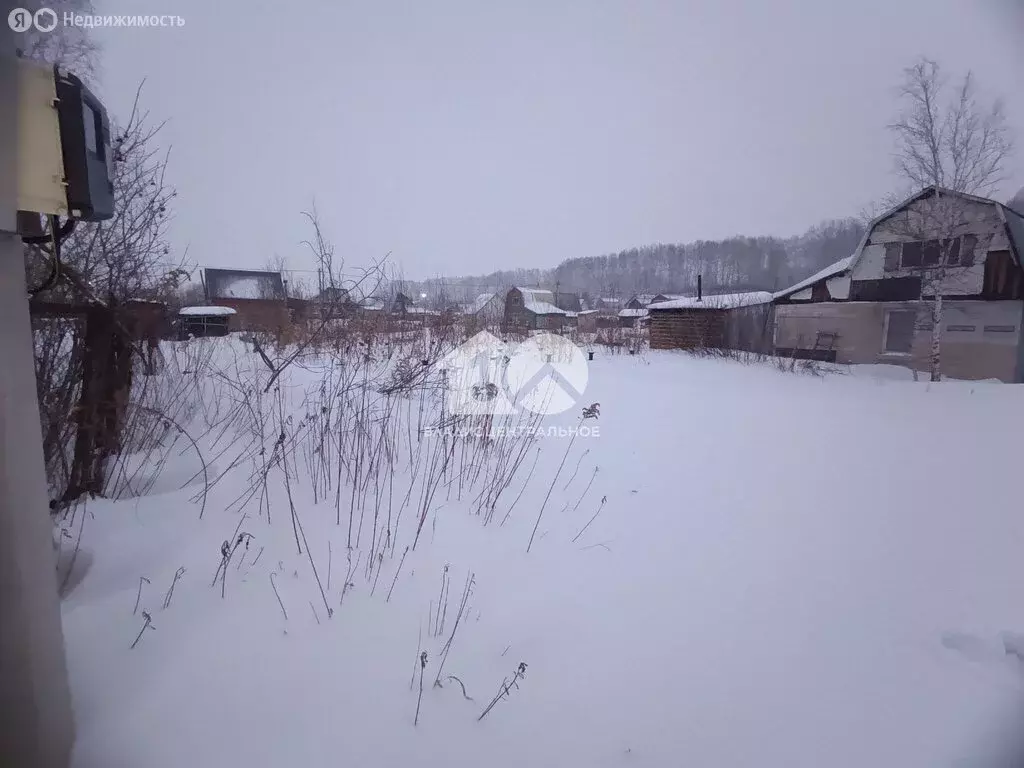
877, 306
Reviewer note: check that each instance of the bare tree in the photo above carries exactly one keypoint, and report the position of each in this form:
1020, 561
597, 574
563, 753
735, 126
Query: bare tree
99, 265
949, 140
67, 45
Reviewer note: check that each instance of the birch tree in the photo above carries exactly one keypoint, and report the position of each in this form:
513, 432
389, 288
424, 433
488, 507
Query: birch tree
949, 138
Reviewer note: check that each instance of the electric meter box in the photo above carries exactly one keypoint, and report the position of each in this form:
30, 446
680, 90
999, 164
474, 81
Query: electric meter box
85, 147
65, 160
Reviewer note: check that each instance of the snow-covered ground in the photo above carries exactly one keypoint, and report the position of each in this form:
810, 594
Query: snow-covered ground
785, 570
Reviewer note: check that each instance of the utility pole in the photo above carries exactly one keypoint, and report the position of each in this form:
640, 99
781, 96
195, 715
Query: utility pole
36, 724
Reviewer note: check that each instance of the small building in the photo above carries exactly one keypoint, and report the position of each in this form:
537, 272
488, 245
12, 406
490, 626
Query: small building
334, 303
740, 321
200, 322
633, 317
486, 309
586, 321
530, 309
257, 296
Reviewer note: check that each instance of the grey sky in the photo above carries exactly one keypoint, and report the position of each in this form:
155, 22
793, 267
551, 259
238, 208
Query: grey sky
466, 136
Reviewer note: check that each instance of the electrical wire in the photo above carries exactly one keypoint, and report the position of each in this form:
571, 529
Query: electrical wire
57, 235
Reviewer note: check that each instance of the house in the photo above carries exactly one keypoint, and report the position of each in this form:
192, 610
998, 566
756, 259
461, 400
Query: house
876, 307
640, 301
569, 302
258, 297
204, 321
741, 321
487, 308
528, 309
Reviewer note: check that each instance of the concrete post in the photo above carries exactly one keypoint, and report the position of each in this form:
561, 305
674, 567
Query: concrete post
36, 725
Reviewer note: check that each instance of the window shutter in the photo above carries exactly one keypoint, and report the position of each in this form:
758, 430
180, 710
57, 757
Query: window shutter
967, 246
892, 257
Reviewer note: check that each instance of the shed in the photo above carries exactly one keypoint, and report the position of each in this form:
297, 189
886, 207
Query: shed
740, 321
631, 318
204, 321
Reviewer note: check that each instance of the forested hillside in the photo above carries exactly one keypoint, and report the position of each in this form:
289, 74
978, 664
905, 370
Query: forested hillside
736, 263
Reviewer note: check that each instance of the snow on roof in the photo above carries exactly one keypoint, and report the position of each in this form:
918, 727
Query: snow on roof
719, 301
540, 301
645, 298
544, 308
633, 313
480, 302
206, 311
830, 271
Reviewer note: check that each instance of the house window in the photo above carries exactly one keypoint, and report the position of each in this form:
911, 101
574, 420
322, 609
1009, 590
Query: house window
1000, 328
911, 255
1002, 279
898, 335
960, 328
887, 289
927, 253
954, 252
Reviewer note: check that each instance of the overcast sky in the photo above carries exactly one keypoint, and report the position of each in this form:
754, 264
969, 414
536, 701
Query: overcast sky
470, 135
